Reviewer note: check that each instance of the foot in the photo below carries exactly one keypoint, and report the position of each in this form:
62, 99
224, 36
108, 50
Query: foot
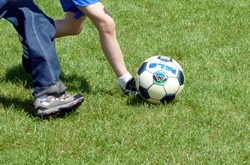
56, 104
130, 88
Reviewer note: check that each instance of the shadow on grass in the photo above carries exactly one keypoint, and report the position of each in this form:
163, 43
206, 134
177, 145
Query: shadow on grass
138, 101
17, 75
73, 82
17, 103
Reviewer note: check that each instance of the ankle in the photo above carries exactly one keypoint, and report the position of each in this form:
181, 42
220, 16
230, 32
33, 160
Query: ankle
123, 80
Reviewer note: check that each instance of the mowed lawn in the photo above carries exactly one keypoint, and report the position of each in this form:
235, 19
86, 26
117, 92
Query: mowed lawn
208, 124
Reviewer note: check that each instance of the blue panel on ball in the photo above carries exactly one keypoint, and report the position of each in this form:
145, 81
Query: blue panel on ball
180, 77
142, 68
167, 98
144, 92
164, 59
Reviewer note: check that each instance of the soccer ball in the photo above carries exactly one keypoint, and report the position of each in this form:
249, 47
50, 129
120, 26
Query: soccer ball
159, 79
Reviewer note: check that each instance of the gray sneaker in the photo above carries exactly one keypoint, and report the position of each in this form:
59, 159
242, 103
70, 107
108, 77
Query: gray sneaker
57, 104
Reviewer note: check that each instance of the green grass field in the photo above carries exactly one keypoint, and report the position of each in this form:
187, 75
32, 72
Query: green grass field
208, 124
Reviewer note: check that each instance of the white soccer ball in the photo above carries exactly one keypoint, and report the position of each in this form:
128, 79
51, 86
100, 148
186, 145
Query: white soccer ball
159, 79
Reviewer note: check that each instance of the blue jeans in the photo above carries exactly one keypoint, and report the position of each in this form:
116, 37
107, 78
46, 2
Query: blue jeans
37, 31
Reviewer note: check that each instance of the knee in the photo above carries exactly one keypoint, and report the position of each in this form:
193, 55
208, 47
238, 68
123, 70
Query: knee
107, 27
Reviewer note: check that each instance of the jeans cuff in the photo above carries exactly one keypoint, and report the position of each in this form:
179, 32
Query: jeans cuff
57, 88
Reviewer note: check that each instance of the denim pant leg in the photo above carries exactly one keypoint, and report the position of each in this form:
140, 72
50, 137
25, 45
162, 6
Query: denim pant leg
38, 32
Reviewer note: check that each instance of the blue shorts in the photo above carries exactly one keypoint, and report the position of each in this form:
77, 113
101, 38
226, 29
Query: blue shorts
72, 6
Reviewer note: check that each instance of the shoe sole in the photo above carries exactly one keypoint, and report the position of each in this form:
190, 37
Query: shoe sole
78, 100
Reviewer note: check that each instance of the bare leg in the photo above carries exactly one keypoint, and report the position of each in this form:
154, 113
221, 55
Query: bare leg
69, 25
106, 28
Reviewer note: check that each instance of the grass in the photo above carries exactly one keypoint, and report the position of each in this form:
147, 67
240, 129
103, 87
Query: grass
208, 124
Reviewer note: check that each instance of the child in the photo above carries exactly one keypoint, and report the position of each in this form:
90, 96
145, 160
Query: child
72, 24
37, 32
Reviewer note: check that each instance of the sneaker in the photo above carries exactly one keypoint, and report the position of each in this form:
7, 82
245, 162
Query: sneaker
130, 88
56, 104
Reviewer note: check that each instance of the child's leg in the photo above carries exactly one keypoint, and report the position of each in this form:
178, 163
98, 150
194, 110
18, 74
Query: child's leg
69, 25
106, 28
